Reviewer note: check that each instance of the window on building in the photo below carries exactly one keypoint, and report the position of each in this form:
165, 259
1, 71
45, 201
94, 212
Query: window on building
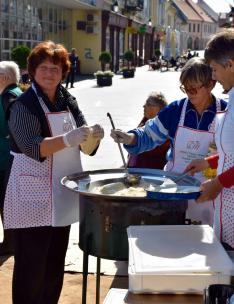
30, 21
194, 27
198, 28
189, 27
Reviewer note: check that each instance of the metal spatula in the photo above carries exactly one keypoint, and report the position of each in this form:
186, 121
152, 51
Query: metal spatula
169, 183
129, 179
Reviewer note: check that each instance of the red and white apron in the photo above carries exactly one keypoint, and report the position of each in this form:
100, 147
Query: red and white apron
193, 144
224, 203
35, 196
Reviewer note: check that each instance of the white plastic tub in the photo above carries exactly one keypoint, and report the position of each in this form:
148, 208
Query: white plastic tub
176, 259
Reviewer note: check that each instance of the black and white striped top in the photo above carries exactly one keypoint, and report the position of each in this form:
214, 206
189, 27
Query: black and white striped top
25, 127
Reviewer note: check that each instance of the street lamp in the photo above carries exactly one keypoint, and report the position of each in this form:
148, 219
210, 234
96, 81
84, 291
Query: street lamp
116, 6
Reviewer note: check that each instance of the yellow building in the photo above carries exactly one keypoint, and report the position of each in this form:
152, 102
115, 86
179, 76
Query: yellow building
90, 26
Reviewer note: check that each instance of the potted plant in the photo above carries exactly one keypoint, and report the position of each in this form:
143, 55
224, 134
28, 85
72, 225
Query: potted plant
157, 53
104, 78
129, 70
20, 54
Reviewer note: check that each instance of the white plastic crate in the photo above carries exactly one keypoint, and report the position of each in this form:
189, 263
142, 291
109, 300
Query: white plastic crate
176, 259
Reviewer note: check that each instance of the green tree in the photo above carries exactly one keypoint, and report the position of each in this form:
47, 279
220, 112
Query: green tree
104, 57
20, 54
129, 57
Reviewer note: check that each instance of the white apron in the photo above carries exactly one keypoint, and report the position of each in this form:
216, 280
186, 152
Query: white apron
35, 196
192, 144
224, 203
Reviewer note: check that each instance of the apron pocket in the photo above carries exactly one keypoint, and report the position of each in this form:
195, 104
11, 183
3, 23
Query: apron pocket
35, 201
34, 189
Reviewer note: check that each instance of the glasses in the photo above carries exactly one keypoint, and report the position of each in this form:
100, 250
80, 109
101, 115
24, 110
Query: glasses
52, 70
192, 91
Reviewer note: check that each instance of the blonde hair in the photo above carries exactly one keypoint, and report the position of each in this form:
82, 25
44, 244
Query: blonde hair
11, 70
196, 70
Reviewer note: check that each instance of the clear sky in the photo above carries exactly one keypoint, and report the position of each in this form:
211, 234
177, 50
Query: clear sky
220, 6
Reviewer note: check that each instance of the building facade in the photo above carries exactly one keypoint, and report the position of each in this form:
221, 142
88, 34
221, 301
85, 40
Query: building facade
29, 21
92, 26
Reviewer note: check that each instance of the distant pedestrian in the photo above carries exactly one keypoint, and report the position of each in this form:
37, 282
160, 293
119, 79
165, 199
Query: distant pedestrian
189, 55
24, 77
73, 68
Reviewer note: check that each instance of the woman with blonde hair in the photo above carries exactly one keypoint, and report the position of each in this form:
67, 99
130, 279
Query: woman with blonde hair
188, 124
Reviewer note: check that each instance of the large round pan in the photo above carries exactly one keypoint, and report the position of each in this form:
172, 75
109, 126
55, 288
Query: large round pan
83, 182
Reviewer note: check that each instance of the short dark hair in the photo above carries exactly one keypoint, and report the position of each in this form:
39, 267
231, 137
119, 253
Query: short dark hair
56, 53
196, 70
220, 47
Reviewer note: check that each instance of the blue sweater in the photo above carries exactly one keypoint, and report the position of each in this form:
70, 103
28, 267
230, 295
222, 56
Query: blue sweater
165, 124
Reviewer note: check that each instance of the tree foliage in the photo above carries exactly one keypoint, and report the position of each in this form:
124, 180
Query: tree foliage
20, 54
129, 57
104, 57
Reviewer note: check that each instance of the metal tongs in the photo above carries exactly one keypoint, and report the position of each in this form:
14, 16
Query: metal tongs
129, 179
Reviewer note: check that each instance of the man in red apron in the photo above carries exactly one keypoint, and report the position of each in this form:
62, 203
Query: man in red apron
220, 55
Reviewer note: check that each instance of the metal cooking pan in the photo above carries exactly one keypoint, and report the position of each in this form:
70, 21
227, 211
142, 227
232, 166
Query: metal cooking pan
85, 181
104, 218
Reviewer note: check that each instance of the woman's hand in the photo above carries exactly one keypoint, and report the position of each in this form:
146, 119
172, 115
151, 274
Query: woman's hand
210, 189
197, 165
123, 137
76, 137
97, 132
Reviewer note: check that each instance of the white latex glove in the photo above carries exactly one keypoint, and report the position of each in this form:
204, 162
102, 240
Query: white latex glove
97, 132
123, 137
76, 137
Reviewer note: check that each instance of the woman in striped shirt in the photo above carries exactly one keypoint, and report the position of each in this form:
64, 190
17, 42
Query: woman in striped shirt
48, 130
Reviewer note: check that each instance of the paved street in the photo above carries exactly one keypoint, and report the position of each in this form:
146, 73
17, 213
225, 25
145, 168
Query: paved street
124, 100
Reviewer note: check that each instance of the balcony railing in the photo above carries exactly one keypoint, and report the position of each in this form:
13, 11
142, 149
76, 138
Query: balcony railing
134, 5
